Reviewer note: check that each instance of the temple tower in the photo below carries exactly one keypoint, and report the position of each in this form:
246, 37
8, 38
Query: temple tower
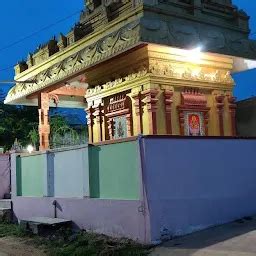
144, 67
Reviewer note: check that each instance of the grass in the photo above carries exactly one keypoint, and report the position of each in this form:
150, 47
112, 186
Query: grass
7, 229
67, 243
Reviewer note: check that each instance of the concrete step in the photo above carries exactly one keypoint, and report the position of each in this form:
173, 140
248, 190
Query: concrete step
7, 196
5, 214
44, 225
6, 203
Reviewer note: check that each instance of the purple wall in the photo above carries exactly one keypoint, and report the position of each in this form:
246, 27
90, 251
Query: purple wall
111, 217
4, 175
192, 184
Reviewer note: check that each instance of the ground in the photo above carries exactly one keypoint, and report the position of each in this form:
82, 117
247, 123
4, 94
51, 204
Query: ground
64, 242
10, 246
234, 239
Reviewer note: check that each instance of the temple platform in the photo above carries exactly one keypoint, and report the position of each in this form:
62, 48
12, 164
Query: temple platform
44, 225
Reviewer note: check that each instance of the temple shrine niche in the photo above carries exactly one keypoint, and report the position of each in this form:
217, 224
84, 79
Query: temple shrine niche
135, 67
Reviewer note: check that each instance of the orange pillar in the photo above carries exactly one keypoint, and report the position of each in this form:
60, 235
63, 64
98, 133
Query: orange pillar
44, 126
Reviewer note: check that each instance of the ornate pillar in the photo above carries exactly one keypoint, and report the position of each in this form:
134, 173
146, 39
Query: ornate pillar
168, 110
44, 126
129, 124
206, 122
151, 103
232, 111
111, 128
138, 111
182, 123
99, 120
90, 123
220, 109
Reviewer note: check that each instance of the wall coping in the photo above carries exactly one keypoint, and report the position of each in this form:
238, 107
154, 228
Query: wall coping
134, 138
56, 150
108, 142
198, 137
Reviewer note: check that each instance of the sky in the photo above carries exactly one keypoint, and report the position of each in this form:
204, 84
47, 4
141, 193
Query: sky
21, 18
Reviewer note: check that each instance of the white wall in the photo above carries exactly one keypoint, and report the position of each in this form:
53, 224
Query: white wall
68, 172
195, 183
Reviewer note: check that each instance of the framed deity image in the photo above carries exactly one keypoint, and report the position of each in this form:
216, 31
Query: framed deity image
120, 127
194, 124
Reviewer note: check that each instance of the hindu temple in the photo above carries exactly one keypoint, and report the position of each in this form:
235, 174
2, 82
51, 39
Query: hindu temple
142, 67
154, 78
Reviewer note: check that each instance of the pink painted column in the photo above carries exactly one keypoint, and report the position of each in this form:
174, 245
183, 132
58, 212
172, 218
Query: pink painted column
44, 126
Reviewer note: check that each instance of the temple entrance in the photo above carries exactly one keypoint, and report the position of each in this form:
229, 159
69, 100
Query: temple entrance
69, 95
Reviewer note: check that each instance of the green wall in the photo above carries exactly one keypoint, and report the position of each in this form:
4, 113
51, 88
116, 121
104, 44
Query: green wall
30, 175
114, 171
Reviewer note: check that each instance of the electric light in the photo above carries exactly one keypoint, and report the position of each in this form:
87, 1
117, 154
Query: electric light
30, 149
195, 54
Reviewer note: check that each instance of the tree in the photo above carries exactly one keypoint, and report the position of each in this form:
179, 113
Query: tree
16, 122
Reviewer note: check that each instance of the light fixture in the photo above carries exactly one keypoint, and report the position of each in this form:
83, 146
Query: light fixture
30, 149
195, 54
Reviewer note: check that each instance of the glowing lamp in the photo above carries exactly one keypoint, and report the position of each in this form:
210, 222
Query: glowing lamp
30, 149
195, 55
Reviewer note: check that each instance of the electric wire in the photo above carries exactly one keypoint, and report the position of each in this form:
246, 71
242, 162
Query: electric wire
50, 26
38, 31
34, 34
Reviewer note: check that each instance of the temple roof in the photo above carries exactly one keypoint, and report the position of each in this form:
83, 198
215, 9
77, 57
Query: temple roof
110, 27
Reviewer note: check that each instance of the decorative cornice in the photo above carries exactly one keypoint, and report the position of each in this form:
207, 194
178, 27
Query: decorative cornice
170, 71
113, 84
181, 71
110, 45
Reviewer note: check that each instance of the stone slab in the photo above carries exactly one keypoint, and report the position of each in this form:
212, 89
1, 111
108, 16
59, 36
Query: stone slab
44, 225
46, 220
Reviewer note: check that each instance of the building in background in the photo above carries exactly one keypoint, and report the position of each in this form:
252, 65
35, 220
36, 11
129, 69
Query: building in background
246, 117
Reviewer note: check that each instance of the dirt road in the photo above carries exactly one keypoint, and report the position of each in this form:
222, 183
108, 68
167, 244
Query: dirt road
234, 239
18, 247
